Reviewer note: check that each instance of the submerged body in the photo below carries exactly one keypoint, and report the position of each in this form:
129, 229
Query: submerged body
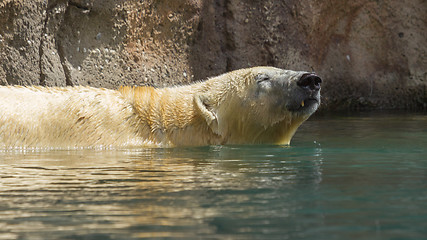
247, 106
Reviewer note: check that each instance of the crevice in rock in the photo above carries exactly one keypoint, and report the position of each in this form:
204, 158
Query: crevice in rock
59, 46
42, 78
43, 39
67, 71
228, 34
61, 51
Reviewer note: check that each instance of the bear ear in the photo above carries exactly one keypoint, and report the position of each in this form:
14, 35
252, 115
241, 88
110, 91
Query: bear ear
205, 110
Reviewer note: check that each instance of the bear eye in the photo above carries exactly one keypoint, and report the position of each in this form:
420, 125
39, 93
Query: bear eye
262, 78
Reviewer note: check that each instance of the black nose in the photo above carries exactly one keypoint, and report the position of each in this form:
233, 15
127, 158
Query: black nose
310, 81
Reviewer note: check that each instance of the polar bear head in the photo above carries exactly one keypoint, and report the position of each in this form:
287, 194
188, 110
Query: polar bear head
259, 105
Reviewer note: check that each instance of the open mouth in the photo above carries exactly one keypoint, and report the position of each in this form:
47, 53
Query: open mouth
308, 102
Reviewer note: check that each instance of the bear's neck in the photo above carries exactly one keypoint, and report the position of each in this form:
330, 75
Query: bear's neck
279, 133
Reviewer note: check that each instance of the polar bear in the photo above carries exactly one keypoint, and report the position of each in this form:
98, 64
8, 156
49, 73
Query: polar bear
260, 105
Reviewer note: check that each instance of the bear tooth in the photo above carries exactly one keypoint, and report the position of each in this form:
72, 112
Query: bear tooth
302, 104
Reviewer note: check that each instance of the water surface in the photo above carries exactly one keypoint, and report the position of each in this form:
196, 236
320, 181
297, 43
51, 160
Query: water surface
343, 177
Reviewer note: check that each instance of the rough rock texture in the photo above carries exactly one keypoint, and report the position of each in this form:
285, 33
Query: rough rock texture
370, 53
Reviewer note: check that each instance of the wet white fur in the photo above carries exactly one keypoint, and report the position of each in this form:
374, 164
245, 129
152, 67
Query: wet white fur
217, 111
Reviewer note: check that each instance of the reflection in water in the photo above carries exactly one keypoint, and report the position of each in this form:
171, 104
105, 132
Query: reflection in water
150, 192
359, 177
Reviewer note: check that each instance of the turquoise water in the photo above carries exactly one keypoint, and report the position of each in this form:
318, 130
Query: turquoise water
344, 177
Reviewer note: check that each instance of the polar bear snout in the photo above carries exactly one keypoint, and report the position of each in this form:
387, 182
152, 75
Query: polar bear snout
305, 95
310, 82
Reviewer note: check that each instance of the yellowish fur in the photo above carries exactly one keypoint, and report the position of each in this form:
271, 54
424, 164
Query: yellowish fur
221, 110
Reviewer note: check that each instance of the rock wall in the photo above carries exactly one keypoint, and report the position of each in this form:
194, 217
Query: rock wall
370, 53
